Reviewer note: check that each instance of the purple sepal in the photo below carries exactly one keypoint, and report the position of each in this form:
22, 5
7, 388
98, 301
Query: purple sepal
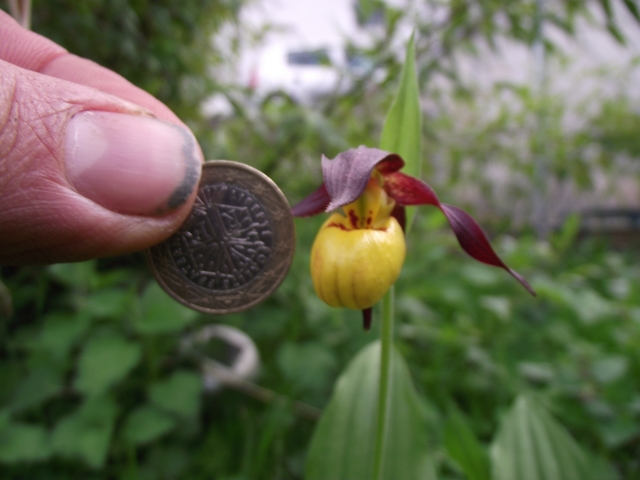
347, 175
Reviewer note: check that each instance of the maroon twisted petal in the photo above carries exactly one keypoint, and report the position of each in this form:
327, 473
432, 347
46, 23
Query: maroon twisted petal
407, 190
313, 204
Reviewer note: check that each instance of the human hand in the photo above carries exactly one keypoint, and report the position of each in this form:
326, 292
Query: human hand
90, 165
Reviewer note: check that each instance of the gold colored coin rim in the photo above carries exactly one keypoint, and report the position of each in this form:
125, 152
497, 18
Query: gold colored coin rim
282, 232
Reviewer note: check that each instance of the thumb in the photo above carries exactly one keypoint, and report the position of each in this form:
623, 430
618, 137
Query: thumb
84, 174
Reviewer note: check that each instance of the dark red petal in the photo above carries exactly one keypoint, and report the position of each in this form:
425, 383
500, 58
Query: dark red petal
407, 190
390, 164
313, 204
366, 318
474, 241
346, 176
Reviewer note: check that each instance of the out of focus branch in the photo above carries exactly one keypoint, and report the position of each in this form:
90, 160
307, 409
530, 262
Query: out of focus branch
21, 11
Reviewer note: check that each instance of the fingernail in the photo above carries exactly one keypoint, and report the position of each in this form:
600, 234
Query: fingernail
131, 164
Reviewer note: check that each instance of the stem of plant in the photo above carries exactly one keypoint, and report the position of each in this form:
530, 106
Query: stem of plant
21, 11
386, 340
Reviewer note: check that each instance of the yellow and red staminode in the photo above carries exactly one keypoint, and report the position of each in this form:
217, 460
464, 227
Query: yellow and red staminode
356, 257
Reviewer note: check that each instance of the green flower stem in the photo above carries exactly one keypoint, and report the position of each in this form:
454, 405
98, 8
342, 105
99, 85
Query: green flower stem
386, 339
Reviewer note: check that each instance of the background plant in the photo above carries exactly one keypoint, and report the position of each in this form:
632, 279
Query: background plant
473, 342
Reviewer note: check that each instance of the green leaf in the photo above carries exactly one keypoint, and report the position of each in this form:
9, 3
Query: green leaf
179, 394
86, 433
11, 374
611, 25
532, 445
308, 365
589, 306
610, 369
104, 360
498, 305
41, 384
80, 275
566, 237
615, 31
536, 372
161, 313
60, 332
633, 9
603, 470
170, 461
20, 442
108, 303
618, 432
146, 424
343, 444
5, 418
608, 10
464, 448
402, 132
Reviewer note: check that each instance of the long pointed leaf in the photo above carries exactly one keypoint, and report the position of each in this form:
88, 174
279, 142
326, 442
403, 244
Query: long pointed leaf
343, 445
402, 132
633, 9
532, 445
464, 448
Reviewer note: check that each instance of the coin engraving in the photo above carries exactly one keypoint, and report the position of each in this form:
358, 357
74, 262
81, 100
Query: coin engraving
227, 240
234, 248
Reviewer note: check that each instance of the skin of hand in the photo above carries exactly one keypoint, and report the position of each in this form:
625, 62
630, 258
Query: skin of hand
90, 165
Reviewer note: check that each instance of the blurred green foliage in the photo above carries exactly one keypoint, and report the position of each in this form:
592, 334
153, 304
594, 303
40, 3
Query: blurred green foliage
86, 392
92, 380
163, 46
531, 444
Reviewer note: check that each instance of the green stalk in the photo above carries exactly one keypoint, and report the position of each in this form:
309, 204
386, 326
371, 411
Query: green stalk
386, 340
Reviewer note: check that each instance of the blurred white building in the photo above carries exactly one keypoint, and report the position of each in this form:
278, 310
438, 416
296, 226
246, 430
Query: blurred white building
306, 37
301, 51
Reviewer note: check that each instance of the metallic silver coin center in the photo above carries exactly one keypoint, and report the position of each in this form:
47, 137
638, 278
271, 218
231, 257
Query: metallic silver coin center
226, 241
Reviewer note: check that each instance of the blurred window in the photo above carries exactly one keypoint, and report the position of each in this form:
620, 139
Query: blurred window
309, 57
369, 13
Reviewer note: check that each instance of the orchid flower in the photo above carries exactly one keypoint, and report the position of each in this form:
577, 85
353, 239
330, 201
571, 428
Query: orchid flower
357, 257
